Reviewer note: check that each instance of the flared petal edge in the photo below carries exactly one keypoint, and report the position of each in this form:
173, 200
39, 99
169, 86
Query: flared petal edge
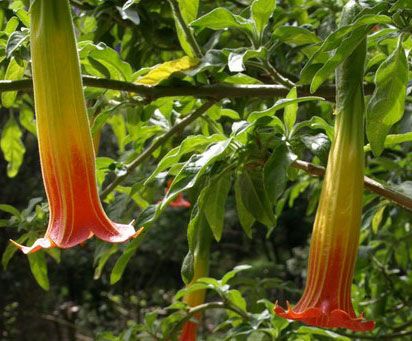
335, 319
125, 232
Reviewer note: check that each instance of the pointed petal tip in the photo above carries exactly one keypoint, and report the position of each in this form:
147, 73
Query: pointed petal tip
335, 319
41, 243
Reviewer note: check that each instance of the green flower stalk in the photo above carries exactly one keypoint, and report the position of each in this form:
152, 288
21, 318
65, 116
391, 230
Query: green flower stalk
326, 301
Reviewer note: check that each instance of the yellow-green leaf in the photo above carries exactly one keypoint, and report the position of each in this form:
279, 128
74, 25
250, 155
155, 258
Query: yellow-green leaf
163, 71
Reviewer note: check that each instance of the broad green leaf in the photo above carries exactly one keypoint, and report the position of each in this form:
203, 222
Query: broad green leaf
11, 250
392, 140
123, 260
38, 267
315, 122
11, 26
342, 36
12, 146
102, 255
190, 144
229, 275
245, 217
26, 118
11, 210
18, 8
14, 71
212, 202
221, 18
290, 113
189, 10
163, 71
345, 49
119, 128
295, 36
275, 171
16, 40
262, 10
108, 62
323, 332
386, 106
194, 168
254, 197
280, 104
377, 218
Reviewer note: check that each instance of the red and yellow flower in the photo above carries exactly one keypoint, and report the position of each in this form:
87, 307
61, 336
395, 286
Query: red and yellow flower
65, 142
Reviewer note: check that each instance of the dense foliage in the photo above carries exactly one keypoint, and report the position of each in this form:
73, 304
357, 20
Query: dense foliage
230, 104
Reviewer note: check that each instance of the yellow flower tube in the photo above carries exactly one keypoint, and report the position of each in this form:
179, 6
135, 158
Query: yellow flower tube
326, 301
65, 142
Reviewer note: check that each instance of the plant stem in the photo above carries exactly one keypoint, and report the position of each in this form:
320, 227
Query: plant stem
156, 144
372, 185
216, 91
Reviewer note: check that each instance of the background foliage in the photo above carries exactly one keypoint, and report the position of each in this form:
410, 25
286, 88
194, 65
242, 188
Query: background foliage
236, 164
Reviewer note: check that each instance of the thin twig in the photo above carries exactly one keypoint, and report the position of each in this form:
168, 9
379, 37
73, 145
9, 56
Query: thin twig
156, 144
372, 185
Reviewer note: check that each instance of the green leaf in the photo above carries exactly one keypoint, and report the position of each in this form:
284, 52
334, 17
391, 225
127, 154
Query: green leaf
189, 10
254, 197
275, 171
290, 113
392, 140
16, 39
315, 122
221, 18
343, 42
377, 218
386, 106
194, 168
10, 209
26, 118
280, 104
14, 71
12, 146
229, 275
11, 250
190, 144
212, 202
262, 10
38, 267
109, 62
295, 36
18, 8
323, 332
345, 49
163, 71
123, 260
245, 218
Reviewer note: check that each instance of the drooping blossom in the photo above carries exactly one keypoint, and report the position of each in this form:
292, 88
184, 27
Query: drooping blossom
65, 142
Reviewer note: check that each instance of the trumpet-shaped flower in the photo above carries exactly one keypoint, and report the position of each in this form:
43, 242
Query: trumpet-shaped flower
326, 301
65, 142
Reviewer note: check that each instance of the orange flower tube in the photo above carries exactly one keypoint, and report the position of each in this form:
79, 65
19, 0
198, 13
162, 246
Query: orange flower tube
65, 142
326, 301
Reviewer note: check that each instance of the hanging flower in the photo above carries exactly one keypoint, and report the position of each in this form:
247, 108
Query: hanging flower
326, 301
65, 142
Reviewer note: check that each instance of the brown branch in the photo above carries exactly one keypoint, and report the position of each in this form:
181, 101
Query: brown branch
216, 91
372, 185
